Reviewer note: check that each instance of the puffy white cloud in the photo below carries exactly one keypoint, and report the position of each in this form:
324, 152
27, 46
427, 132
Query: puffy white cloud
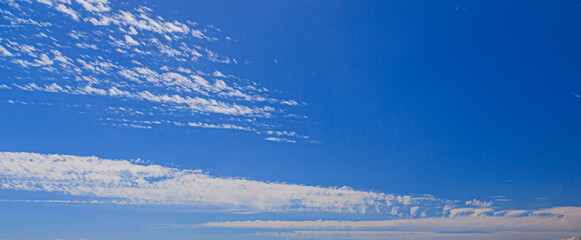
69, 11
129, 40
95, 5
414, 211
469, 211
140, 21
5, 52
87, 46
478, 203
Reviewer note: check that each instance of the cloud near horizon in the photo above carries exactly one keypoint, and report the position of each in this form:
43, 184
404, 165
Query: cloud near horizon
557, 223
399, 235
408, 217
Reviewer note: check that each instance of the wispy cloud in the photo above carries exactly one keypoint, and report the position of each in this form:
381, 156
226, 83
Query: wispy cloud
552, 219
402, 235
131, 182
124, 53
192, 103
552, 223
277, 139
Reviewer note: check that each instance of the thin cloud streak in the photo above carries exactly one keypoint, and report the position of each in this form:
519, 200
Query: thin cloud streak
551, 223
401, 235
552, 219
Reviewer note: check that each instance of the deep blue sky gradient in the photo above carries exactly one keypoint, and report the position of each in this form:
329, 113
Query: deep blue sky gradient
459, 99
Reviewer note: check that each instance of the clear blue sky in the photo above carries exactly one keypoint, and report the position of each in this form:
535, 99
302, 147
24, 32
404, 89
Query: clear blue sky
459, 100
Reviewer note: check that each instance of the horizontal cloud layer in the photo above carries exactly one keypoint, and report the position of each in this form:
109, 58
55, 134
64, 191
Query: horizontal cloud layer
100, 181
399, 235
130, 182
553, 223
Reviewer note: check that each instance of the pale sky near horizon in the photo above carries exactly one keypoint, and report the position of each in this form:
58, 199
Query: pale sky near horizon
290, 119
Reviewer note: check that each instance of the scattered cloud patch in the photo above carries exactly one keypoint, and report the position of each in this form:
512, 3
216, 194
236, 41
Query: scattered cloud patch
277, 139
107, 49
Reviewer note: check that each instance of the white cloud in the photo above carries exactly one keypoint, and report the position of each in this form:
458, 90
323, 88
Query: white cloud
551, 223
219, 126
281, 133
47, 2
290, 102
16, 102
551, 219
68, 11
129, 40
126, 53
134, 183
95, 5
196, 33
87, 46
5, 52
478, 203
218, 74
414, 211
402, 235
194, 103
276, 139
469, 211
144, 22
44, 60
131, 182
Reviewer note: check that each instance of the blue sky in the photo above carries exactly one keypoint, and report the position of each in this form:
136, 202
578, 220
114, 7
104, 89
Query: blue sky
254, 120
